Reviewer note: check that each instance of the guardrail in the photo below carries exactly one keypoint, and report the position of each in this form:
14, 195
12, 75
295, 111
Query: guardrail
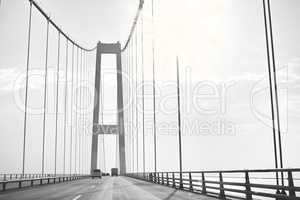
14, 181
233, 184
5, 177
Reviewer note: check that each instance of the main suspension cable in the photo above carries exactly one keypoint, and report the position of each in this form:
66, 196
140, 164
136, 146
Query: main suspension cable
133, 27
32, 2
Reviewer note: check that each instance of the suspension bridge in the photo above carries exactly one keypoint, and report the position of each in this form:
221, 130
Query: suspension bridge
69, 159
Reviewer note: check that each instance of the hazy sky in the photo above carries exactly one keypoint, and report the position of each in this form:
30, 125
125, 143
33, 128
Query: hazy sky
222, 52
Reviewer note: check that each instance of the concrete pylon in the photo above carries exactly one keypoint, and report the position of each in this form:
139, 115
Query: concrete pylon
103, 48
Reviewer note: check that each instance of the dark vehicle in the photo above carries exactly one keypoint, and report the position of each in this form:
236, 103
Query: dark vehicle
97, 173
114, 172
105, 174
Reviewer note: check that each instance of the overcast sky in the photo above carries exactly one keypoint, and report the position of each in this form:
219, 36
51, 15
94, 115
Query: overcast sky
221, 46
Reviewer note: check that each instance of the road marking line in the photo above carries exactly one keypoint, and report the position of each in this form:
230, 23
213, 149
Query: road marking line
77, 197
93, 186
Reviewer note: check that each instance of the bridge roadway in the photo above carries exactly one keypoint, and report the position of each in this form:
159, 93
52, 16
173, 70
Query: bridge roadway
108, 188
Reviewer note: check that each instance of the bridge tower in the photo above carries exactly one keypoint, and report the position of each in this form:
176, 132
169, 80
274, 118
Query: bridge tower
104, 48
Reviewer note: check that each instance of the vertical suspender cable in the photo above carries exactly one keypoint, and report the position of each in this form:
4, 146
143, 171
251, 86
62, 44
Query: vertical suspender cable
101, 110
276, 91
81, 111
128, 113
76, 119
154, 100
26, 89
143, 89
87, 117
83, 116
71, 110
179, 126
128, 103
125, 103
88, 121
66, 96
84, 113
85, 108
136, 101
102, 120
132, 109
271, 89
80, 116
57, 93
45, 99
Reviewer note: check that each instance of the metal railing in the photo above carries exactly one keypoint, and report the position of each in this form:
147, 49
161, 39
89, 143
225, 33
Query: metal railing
14, 181
233, 184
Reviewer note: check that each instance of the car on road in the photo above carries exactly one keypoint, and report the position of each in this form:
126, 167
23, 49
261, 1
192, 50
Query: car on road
97, 173
114, 172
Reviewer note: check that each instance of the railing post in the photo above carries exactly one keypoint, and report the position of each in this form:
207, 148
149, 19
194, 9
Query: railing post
248, 188
3, 186
31, 183
173, 180
20, 184
162, 178
191, 181
203, 184
4, 177
180, 181
167, 179
222, 192
292, 192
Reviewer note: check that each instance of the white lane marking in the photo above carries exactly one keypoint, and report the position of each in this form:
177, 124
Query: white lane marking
93, 186
77, 197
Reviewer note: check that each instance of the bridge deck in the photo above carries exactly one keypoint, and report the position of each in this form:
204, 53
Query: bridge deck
118, 188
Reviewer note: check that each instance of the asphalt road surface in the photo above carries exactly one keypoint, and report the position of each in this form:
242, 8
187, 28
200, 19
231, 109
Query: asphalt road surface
108, 188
